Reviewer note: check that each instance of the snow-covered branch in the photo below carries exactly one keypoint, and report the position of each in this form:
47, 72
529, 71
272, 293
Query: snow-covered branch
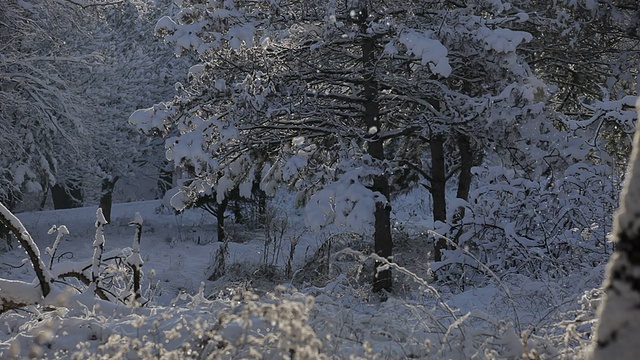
16, 294
135, 260
98, 247
15, 226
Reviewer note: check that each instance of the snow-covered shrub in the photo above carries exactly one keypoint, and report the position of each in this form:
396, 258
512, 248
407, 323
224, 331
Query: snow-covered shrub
245, 327
542, 241
543, 228
105, 275
219, 264
339, 254
276, 226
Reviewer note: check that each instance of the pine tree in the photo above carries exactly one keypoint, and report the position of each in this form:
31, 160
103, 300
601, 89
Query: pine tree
338, 100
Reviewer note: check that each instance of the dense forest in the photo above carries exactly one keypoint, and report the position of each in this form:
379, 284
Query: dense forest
282, 179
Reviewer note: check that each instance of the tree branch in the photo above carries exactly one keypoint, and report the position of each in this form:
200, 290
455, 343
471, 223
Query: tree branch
15, 226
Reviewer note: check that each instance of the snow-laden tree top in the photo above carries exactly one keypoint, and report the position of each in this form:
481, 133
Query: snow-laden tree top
280, 92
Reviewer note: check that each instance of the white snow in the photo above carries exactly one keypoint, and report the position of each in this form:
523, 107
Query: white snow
242, 35
422, 45
137, 219
502, 40
342, 320
346, 203
150, 118
297, 141
26, 239
196, 70
60, 232
627, 216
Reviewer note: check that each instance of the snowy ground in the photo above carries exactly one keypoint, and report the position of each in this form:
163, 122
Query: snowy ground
318, 310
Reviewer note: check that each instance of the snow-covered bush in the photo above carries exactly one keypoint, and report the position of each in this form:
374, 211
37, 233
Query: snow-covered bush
336, 321
246, 326
542, 227
112, 276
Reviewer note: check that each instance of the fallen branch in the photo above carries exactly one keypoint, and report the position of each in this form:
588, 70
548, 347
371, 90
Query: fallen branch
17, 294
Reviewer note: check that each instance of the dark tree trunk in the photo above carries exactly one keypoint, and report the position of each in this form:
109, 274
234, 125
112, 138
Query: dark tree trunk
5, 234
106, 197
438, 190
45, 196
236, 209
221, 208
261, 198
67, 196
464, 179
383, 242
466, 163
210, 204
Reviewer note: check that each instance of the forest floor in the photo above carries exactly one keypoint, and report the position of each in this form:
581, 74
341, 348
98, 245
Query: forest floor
315, 296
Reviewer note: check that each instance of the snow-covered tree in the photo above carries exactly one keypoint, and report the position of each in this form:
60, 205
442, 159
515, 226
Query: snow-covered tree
550, 182
338, 99
619, 317
40, 115
71, 75
590, 67
136, 68
595, 50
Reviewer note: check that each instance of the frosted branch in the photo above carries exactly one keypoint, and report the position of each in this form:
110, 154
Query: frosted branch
15, 226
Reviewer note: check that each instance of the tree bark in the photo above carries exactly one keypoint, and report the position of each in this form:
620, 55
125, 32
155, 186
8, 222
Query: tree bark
45, 196
5, 233
67, 196
464, 181
438, 189
466, 163
261, 198
221, 208
383, 242
106, 196
165, 180
618, 330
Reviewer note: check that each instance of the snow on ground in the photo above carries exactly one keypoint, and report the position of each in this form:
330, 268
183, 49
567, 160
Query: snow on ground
189, 316
177, 248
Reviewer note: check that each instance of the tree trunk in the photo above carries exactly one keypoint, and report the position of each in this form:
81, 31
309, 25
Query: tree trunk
618, 331
464, 180
383, 243
261, 198
466, 163
106, 196
45, 196
67, 196
222, 207
438, 190
165, 181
